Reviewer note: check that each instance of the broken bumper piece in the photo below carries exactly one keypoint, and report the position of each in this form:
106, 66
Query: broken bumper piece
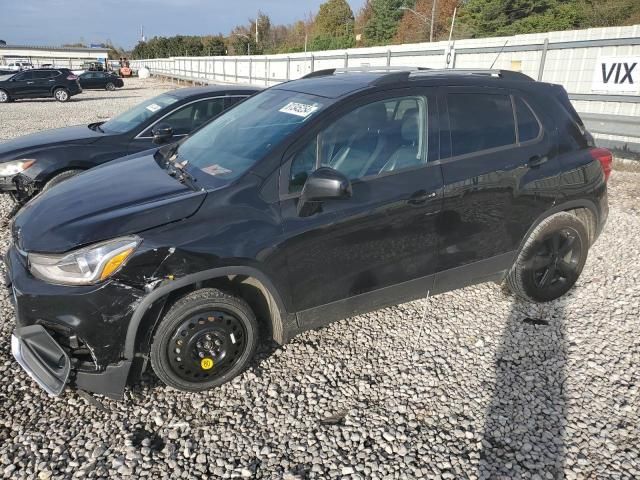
41, 357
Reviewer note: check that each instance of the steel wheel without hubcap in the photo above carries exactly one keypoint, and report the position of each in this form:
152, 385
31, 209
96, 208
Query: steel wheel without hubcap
205, 339
206, 346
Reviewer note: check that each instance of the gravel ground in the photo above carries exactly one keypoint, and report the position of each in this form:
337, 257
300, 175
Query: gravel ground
485, 387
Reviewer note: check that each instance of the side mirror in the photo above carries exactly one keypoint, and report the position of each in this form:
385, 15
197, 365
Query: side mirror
324, 184
161, 133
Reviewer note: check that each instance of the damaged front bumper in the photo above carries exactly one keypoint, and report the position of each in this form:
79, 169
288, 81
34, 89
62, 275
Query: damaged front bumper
21, 187
41, 357
70, 335
7, 184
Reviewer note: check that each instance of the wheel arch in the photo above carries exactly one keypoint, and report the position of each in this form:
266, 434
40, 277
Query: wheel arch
251, 284
67, 168
56, 87
583, 208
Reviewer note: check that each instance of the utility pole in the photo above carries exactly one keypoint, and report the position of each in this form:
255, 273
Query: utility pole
257, 28
433, 19
424, 18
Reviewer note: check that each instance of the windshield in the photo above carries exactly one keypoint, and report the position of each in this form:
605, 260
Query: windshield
232, 143
132, 118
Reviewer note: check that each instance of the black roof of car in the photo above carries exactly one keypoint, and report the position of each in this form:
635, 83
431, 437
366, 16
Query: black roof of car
336, 82
218, 89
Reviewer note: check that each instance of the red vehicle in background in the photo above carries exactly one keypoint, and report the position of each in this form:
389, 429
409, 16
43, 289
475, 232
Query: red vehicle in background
125, 69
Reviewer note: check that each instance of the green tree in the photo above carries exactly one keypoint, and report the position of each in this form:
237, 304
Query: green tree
213, 45
334, 19
241, 41
333, 27
608, 13
486, 18
384, 17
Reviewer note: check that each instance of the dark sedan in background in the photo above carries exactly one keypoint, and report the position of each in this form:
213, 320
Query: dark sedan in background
100, 81
34, 163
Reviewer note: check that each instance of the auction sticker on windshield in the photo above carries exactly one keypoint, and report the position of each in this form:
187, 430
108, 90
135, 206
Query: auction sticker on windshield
299, 109
216, 170
153, 107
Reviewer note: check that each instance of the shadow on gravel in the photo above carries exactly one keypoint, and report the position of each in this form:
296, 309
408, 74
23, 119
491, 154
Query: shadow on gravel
110, 97
526, 418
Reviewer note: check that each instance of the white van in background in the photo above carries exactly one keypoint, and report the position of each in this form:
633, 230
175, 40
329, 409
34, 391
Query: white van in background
18, 66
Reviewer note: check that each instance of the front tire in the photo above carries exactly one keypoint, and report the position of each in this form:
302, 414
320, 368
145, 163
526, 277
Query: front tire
205, 339
4, 97
110, 87
551, 260
61, 94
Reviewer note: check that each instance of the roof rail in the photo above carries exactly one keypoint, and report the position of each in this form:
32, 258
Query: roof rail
405, 71
506, 74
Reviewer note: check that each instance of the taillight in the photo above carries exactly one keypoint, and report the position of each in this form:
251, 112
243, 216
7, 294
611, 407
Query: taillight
605, 158
72, 77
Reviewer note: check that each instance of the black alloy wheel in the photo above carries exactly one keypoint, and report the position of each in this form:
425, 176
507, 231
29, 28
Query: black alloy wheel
551, 260
557, 259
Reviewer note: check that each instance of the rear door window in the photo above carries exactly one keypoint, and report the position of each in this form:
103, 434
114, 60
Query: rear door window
42, 74
480, 122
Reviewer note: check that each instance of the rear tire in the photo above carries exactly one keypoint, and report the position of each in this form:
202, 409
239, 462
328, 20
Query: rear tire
205, 339
551, 260
59, 178
4, 97
61, 94
110, 87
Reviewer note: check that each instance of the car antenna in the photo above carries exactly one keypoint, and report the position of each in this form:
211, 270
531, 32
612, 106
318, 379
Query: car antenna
501, 50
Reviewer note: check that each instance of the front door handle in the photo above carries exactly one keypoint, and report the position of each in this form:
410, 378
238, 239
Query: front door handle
30, 83
537, 160
420, 197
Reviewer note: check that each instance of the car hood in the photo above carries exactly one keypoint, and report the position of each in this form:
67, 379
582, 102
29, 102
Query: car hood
79, 134
118, 198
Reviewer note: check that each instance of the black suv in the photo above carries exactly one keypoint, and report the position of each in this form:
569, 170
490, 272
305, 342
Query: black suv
59, 83
314, 200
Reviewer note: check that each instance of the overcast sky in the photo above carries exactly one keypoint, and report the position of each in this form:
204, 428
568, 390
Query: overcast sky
54, 22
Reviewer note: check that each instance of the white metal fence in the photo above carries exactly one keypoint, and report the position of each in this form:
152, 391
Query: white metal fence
600, 68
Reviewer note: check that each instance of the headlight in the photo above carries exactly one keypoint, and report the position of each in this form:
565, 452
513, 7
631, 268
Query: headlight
84, 266
15, 166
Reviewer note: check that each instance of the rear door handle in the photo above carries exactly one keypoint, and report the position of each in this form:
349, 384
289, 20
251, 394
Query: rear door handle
30, 83
420, 197
537, 160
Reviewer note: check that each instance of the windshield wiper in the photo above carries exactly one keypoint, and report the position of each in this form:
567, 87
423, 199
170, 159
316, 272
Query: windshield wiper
96, 126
